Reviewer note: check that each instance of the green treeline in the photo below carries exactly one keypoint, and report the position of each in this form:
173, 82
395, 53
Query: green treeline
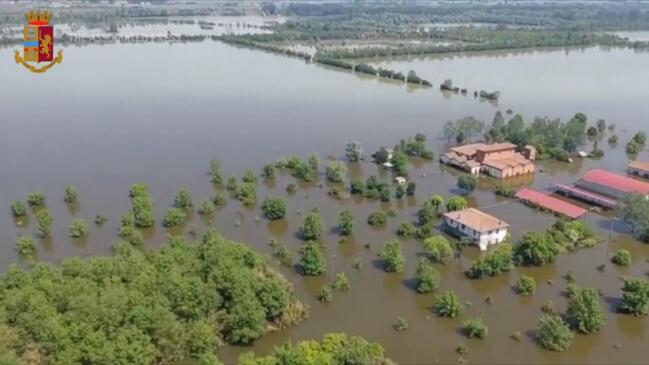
469, 39
142, 308
570, 15
334, 349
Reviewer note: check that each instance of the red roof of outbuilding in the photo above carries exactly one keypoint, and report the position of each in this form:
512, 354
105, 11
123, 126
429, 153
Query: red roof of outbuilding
551, 203
617, 182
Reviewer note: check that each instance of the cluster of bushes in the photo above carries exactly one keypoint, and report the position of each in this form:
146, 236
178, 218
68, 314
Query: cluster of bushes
415, 146
636, 144
496, 262
542, 248
336, 348
165, 306
372, 188
504, 190
304, 170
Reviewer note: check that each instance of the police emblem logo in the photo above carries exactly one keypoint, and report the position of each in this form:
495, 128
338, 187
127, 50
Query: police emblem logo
38, 43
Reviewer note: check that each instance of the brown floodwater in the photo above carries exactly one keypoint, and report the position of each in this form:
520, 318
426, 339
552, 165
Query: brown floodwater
110, 116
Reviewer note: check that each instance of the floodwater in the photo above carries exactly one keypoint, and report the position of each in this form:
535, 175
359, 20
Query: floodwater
113, 115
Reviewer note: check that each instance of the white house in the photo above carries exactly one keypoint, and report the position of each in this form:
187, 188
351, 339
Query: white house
482, 228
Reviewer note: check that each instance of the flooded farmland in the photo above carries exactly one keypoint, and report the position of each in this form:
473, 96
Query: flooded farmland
159, 113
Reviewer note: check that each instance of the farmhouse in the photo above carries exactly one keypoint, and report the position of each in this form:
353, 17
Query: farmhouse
611, 185
481, 228
639, 168
499, 160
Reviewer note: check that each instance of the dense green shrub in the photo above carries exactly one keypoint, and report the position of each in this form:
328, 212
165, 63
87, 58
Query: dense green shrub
249, 177
553, 334
18, 209
78, 228
406, 230
353, 151
36, 199
622, 257
456, 203
173, 217
336, 171
536, 249
504, 190
207, 207
448, 304
70, 194
44, 222
142, 208
377, 219
346, 222
165, 306
475, 328
269, 171
357, 187
438, 249
247, 193
393, 259
312, 228
584, 311
426, 276
426, 214
215, 172
312, 260
183, 199
493, 263
274, 208
425, 231
467, 182
25, 246
219, 200
335, 349
635, 296
526, 285
325, 295
341, 282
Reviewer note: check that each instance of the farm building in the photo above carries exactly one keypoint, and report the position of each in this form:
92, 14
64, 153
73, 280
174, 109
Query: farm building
482, 228
499, 160
611, 185
639, 168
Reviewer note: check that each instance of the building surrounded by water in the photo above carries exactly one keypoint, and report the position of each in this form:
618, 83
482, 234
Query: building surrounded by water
483, 229
639, 168
611, 185
499, 160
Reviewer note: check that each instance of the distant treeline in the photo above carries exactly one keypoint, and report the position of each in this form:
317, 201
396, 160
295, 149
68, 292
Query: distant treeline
472, 40
568, 15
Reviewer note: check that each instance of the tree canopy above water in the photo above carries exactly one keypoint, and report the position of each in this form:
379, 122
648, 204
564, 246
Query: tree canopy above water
143, 308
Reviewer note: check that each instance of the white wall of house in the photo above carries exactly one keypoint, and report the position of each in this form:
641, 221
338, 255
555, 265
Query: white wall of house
481, 239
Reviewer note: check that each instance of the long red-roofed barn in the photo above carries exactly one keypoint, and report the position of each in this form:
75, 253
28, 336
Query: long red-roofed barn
611, 185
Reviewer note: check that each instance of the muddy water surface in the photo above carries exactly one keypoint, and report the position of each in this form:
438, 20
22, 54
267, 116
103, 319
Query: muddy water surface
109, 116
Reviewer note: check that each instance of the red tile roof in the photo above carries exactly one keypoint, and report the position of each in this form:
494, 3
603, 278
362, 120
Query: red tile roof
551, 203
476, 220
615, 181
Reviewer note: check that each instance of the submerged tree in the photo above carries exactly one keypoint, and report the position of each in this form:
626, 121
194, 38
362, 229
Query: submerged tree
44, 222
553, 333
584, 311
312, 260
635, 296
392, 257
353, 151
346, 222
448, 304
78, 228
312, 228
426, 276
274, 208
183, 199
70, 194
